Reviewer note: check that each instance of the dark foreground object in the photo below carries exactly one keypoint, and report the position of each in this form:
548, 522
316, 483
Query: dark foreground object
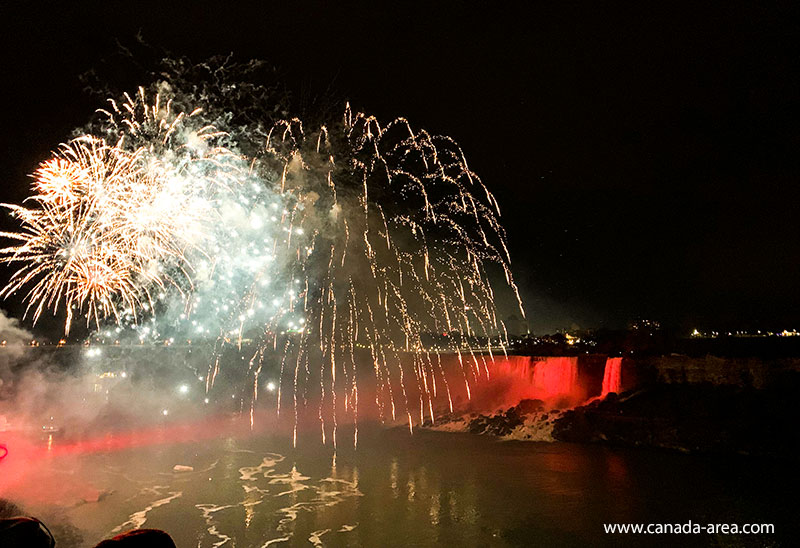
145, 538
25, 532
692, 418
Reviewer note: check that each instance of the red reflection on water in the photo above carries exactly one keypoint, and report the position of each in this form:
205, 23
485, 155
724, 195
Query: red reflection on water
617, 468
177, 432
612, 377
26, 456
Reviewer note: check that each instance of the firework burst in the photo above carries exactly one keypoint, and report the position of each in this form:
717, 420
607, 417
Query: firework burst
109, 224
339, 249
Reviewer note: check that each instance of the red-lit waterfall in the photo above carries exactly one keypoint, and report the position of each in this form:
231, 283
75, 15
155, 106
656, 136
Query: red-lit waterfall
555, 377
553, 380
612, 377
558, 381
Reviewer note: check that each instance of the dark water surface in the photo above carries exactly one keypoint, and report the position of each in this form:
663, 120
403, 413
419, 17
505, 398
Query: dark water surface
432, 489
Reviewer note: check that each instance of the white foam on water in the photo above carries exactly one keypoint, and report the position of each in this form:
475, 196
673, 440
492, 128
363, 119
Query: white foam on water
315, 538
249, 473
138, 519
274, 494
208, 511
276, 541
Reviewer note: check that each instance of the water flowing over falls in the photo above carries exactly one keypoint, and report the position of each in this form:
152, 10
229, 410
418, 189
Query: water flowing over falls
556, 377
523, 397
486, 384
466, 383
553, 380
558, 381
612, 377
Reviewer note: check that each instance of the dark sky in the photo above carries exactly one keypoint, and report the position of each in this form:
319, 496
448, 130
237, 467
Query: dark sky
645, 158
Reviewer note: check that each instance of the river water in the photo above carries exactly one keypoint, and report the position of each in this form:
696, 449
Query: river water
429, 489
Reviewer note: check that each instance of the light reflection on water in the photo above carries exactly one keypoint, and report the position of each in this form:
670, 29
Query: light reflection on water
432, 489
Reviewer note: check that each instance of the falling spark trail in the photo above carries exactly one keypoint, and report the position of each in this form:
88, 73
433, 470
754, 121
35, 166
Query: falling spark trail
358, 235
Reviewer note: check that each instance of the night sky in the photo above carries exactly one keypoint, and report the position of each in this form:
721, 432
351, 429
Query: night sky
645, 158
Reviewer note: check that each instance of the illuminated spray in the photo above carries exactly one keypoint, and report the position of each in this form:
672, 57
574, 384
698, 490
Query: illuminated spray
351, 240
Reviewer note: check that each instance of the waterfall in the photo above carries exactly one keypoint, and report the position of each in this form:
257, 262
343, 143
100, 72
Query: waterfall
555, 377
554, 380
518, 367
612, 377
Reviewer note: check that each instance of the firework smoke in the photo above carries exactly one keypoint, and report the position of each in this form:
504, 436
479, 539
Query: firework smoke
336, 251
